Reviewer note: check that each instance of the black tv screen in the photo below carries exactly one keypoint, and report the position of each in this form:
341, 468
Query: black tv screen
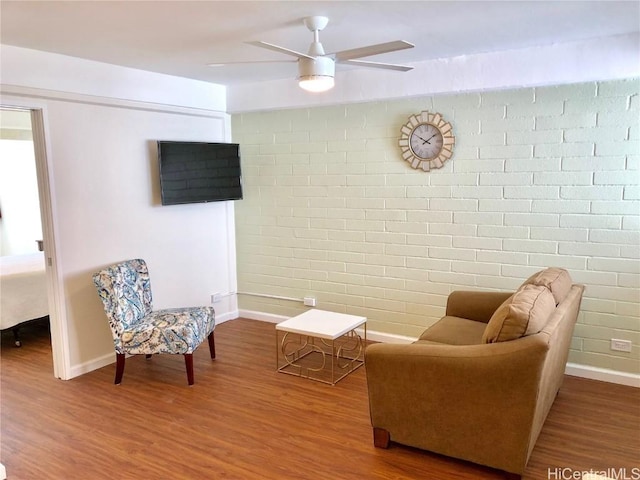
196, 172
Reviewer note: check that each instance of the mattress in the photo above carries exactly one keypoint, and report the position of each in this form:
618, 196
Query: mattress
23, 289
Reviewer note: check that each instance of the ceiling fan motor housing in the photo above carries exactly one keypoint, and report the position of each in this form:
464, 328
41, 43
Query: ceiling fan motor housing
309, 68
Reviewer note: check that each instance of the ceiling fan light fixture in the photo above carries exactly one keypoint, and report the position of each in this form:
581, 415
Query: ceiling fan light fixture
317, 74
316, 83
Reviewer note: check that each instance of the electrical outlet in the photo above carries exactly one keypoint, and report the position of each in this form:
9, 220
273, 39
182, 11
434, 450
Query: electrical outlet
310, 301
620, 345
216, 297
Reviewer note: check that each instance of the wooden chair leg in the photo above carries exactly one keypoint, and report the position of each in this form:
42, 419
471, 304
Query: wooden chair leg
16, 336
381, 437
119, 367
188, 361
212, 345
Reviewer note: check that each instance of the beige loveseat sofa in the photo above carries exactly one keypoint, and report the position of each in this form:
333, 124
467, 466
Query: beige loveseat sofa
478, 384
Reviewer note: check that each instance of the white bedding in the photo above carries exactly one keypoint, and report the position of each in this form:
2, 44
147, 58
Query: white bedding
23, 289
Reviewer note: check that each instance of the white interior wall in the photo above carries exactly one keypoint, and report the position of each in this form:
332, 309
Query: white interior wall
105, 189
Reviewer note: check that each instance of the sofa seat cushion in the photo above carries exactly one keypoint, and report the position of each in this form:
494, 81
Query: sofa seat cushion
455, 331
524, 313
557, 280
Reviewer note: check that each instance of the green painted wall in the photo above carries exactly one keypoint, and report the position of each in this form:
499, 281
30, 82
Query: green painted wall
540, 177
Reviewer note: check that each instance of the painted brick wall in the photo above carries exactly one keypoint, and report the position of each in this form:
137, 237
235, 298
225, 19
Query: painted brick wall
540, 177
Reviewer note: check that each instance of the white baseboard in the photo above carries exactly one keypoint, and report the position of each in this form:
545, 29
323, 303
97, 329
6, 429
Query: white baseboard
225, 317
573, 369
95, 364
263, 317
388, 337
603, 374
371, 335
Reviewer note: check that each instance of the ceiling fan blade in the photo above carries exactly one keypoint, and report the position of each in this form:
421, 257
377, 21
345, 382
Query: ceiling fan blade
372, 50
386, 66
276, 48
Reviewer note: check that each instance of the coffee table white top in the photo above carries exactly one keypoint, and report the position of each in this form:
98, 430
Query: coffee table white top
321, 324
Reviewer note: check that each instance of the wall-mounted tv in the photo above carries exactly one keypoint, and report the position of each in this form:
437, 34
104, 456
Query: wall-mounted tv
196, 172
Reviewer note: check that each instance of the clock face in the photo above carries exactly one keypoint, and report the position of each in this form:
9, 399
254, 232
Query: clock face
426, 141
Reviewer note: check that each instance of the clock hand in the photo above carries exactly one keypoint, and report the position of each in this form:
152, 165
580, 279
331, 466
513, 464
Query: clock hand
428, 140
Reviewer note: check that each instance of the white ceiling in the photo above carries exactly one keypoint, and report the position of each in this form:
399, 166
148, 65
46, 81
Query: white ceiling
181, 37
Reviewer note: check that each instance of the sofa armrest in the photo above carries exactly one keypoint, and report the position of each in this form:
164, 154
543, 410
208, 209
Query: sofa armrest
478, 306
474, 402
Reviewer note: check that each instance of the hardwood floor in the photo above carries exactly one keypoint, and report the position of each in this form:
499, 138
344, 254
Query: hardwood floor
242, 420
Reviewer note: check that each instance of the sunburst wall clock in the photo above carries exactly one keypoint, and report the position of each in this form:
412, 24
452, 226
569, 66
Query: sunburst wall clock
426, 141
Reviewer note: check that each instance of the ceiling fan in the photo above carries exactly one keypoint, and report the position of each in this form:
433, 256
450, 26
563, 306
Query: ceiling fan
316, 69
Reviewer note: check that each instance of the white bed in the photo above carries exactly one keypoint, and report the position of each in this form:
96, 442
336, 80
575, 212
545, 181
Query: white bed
23, 289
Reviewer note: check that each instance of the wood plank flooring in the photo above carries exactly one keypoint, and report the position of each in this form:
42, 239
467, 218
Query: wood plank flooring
242, 420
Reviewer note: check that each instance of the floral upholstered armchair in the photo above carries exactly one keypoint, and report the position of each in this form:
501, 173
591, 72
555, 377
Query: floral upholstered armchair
125, 291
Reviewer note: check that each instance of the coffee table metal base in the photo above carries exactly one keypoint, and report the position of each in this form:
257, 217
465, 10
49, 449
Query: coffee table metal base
323, 360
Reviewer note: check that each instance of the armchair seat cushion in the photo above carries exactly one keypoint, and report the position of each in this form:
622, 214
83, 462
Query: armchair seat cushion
174, 330
455, 331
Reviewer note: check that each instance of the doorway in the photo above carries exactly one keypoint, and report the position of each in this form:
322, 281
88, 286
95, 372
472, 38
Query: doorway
26, 222
24, 300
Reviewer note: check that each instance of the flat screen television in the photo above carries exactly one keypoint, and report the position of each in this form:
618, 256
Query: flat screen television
198, 172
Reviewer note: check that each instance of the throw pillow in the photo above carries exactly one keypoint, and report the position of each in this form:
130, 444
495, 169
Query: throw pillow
557, 280
523, 313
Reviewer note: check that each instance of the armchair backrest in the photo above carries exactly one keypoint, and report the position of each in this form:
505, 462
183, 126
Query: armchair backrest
125, 291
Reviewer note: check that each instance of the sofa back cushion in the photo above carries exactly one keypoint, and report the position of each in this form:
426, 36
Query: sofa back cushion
557, 280
524, 313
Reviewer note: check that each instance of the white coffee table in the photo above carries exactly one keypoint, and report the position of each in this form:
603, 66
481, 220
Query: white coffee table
320, 345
